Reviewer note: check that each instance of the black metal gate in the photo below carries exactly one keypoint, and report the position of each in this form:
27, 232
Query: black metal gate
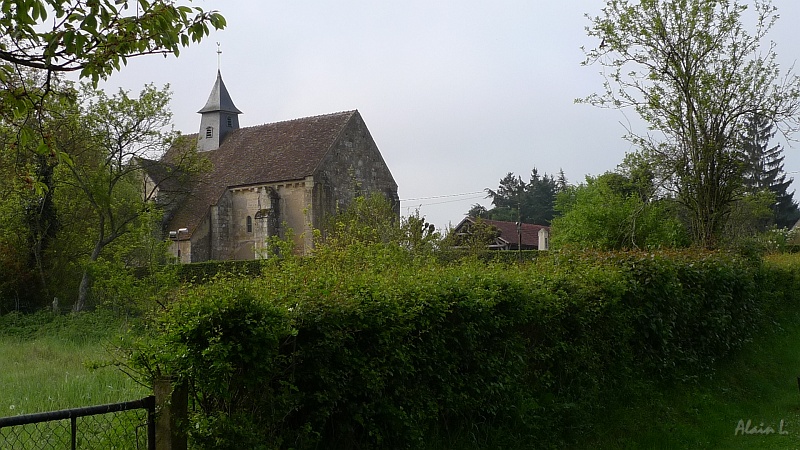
127, 425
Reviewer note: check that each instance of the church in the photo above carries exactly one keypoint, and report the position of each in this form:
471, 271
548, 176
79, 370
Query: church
277, 179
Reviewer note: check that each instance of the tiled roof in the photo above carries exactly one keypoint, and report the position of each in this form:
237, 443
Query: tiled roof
508, 231
269, 153
165, 176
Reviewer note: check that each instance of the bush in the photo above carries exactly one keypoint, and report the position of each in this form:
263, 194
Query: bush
366, 346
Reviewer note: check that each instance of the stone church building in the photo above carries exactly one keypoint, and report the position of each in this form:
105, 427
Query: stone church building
264, 180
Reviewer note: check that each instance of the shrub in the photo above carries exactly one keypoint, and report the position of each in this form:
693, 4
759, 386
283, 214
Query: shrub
366, 346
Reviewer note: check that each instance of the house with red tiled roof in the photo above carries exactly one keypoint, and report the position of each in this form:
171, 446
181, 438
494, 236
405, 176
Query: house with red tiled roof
502, 235
266, 180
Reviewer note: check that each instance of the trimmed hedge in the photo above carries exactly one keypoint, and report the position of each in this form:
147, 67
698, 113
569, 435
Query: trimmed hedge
368, 347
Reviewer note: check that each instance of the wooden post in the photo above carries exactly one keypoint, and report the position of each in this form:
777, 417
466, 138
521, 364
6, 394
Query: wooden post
171, 414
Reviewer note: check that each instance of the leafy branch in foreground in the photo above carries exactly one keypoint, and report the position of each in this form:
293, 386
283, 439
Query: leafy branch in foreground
91, 37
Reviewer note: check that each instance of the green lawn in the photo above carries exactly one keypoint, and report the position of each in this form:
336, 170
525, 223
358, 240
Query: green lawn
44, 365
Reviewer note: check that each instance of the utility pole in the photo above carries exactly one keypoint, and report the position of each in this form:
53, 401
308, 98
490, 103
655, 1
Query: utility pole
519, 232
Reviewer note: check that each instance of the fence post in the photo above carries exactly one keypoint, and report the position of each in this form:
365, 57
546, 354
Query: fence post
171, 414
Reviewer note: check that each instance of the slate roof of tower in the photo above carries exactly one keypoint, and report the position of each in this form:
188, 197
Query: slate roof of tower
269, 153
219, 99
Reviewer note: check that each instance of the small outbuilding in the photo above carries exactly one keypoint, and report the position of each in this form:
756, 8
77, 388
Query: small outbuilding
500, 235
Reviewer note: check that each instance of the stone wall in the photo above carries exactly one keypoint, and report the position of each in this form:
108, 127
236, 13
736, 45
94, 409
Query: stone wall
201, 242
273, 210
353, 167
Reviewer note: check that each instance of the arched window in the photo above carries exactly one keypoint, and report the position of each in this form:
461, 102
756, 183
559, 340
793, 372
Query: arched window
209, 132
249, 224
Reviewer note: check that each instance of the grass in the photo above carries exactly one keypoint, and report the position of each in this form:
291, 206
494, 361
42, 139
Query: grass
45, 363
758, 384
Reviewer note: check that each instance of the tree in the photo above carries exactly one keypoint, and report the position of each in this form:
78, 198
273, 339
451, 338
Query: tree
115, 133
32, 212
608, 213
691, 70
475, 237
540, 195
509, 194
40, 39
372, 220
93, 38
763, 170
478, 211
515, 200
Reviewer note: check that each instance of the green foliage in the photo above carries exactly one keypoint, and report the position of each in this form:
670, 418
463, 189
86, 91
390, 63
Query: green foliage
763, 171
105, 169
518, 201
93, 38
366, 220
373, 220
96, 37
608, 213
750, 216
73, 328
364, 346
19, 279
696, 73
756, 382
29, 175
206, 271
473, 240
90, 202
38, 120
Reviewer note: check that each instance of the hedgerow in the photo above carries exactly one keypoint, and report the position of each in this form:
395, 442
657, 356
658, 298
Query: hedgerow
366, 346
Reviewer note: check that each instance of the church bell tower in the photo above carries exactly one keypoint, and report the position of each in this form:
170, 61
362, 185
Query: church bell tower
219, 117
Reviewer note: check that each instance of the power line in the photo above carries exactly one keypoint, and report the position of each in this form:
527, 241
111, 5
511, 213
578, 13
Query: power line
451, 201
442, 196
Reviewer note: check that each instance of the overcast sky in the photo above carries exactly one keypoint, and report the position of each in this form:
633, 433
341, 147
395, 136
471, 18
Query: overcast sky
455, 93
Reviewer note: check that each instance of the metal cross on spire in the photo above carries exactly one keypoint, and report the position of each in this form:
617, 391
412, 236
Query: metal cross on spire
219, 53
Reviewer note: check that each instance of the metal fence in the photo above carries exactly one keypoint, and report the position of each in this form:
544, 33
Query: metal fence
127, 425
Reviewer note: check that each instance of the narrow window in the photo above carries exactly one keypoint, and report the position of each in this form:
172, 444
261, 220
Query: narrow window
230, 122
209, 132
249, 224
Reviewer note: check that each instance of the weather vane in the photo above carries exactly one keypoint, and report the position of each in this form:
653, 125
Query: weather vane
219, 53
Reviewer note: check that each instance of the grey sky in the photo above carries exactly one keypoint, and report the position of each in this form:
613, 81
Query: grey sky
455, 93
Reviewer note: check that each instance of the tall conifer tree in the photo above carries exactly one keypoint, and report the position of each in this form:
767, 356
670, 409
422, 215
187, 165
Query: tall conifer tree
763, 170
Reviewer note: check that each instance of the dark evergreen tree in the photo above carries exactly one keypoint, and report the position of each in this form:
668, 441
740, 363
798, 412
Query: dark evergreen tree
540, 199
509, 193
763, 170
561, 181
507, 199
478, 211
515, 200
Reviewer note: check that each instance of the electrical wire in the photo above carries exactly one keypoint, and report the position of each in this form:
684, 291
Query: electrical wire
441, 196
450, 201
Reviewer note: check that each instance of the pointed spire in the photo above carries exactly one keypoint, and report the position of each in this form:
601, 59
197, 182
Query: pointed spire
219, 100
218, 118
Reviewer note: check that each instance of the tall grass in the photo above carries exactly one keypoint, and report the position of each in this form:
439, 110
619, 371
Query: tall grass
46, 363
